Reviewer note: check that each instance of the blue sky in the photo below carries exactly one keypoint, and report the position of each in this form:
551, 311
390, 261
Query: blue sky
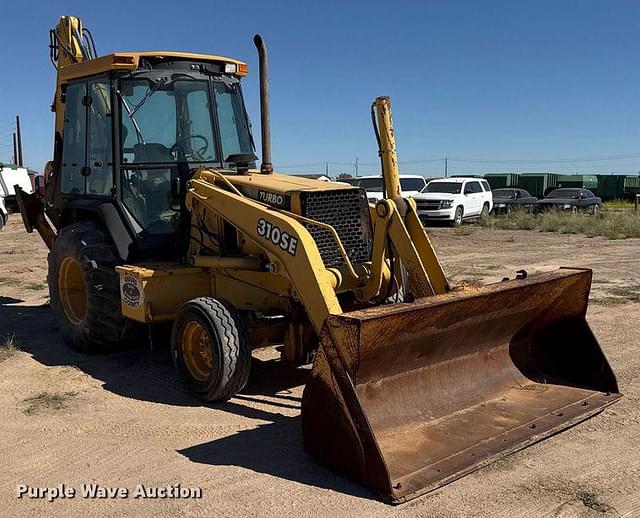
495, 80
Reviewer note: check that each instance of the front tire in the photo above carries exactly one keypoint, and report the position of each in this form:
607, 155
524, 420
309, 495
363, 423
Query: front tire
85, 290
210, 349
457, 217
595, 212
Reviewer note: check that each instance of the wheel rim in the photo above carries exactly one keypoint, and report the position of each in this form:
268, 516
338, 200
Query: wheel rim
72, 291
197, 350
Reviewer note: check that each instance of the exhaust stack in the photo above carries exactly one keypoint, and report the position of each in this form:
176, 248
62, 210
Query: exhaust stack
266, 167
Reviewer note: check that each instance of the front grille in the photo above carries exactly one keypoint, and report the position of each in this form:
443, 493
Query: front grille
348, 212
428, 204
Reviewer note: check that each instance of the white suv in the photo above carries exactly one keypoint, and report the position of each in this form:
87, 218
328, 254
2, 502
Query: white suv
454, 199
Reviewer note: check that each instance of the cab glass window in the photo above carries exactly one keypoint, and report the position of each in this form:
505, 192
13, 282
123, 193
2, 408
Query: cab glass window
73, 148
99, 149
234, 131
166, 121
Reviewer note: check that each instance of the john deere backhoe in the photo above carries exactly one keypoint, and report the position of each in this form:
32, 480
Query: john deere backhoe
155, 211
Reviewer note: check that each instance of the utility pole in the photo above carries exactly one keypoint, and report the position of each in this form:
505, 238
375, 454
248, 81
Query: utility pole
18, 133
15, 149
446, 167
356, 167
326, 169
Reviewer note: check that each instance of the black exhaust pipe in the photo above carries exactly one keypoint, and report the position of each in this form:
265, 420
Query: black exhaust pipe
267, 166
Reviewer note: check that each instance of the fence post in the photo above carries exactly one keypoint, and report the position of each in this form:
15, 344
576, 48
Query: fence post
637, 202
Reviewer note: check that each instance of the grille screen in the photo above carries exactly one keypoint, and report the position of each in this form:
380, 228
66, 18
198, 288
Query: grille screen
348, 212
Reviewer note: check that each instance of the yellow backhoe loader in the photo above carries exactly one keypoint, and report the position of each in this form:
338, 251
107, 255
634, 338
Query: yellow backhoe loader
155, 211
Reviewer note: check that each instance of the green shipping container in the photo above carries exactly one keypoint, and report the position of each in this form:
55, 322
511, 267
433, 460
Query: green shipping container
631, 186
538, 184
581, 181
500, 180
617, 186
610, 186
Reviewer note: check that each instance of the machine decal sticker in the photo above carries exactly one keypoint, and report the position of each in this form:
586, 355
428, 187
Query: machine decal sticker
131, 291
272, 233
277, 200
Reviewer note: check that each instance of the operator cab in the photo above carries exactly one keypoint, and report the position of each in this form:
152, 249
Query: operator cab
136, 137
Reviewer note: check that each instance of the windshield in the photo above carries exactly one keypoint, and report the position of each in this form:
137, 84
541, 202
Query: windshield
166, 124
445, 187
411, 184
563, 193
173, 121
377, 184
504, 193
369, 184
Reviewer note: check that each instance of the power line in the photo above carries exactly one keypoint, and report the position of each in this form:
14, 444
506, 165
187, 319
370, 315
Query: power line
546, 161
471, 160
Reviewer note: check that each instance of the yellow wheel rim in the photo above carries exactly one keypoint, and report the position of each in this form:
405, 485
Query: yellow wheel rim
197, 350
73, 294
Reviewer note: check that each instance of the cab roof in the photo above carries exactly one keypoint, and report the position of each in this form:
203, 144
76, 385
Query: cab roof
131, 61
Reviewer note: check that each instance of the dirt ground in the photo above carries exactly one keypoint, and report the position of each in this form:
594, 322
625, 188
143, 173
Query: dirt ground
124, 419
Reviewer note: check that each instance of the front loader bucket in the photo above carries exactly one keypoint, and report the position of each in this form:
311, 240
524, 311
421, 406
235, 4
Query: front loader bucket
408, 397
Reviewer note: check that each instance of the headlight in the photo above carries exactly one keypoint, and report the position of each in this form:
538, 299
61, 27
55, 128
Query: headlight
567, 206
445, 204
502, 205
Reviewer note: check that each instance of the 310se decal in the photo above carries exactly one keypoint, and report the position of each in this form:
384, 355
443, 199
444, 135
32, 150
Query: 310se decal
272, 233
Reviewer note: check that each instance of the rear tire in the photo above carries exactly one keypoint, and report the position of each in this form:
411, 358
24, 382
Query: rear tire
485, 211
210, 349
457, 217
85, 290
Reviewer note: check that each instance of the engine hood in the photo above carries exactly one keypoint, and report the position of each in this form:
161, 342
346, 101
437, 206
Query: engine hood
277, 189
434, 196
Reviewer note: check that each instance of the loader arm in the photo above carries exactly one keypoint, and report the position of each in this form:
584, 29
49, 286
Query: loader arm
315, 285
291, 249
415, 251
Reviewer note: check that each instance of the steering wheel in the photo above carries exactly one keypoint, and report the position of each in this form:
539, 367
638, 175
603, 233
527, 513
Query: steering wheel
199, 152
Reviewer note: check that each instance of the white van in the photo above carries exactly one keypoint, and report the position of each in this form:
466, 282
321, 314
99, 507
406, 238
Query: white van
410, 185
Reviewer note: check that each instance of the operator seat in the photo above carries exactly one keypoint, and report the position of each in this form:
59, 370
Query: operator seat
155, 184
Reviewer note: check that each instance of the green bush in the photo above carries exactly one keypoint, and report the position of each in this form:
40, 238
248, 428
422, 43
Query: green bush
613, 225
